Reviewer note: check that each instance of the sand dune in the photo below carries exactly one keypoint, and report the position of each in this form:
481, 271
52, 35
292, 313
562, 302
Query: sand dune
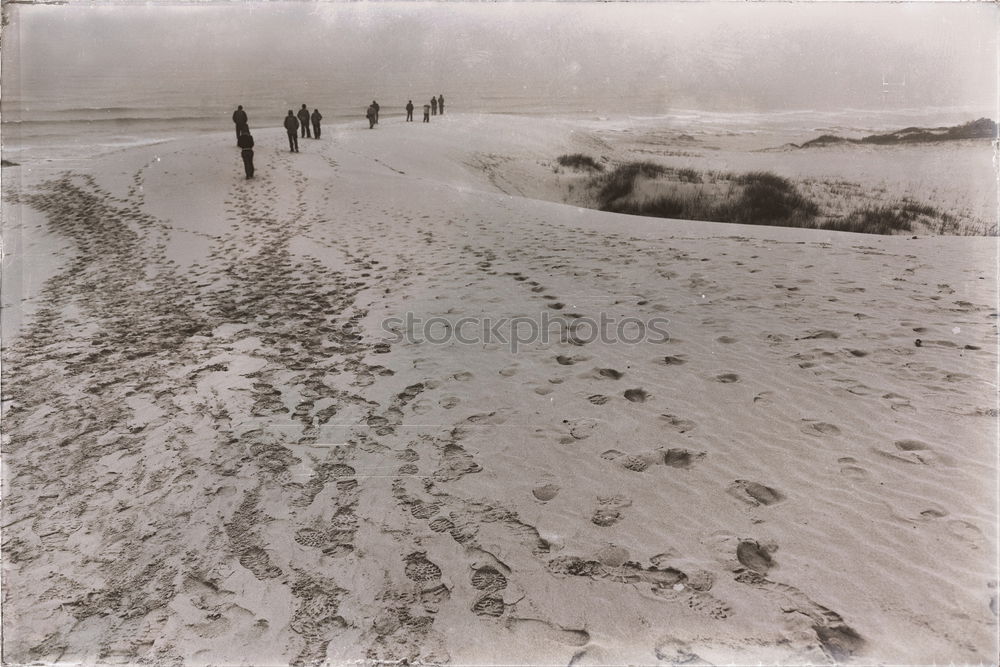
216, 452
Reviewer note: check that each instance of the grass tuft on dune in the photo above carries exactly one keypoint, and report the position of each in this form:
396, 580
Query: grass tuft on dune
580, 161
758, 198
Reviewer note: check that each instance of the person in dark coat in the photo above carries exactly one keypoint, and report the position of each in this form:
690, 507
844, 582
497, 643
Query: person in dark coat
316, 118
245, 141
376, 107
242, 122
427, 113
292, 127
434, 106
441, 104
409, 111
304, 121
371, 115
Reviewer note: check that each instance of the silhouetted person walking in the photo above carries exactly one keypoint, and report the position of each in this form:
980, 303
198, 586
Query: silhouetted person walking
242, 122
409, 111
434, 106
441, 104
245, 141
316, 118
427, 113
292, 127
371, 115
304, 121
376, 107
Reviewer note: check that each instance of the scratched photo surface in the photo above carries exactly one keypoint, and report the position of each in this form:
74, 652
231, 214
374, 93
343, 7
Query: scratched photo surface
482, 334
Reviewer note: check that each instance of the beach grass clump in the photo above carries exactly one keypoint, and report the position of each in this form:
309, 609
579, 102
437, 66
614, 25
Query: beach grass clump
873, 220
755, 198
768, 199
688, 175
679, 204
620, 182
580, 161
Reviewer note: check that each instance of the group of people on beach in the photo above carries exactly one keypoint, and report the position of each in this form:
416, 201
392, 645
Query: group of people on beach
301, 122
436, 104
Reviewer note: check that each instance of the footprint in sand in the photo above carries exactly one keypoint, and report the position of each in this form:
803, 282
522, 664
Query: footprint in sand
850, 470
421, 407
609, 510
913, 451
448, 402
610, 373
581, 429
606, 516
674, 651
726, 340
673, 360
546, 492
598, 399
898, 402
681, 458
935, 512
487, 418
754, 493
419, 569
727, 378
510, 371
427, 575
678, 424
612, 556
966, 532
819, 428
820, 334
636, 395
754, 556
563, 360
441, 525
463, 376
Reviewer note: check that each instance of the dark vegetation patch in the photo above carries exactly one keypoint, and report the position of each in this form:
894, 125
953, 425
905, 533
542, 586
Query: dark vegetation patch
580, 161
758, 198
769, 199
622, 179
764, 198
984, 128
887, 219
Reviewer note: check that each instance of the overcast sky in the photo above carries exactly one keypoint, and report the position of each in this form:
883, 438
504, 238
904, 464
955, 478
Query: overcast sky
737, 56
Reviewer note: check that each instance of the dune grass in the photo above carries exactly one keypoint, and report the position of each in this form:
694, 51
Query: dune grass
888, 219
580, 161
872, 220
769, 199
761, 198
620, 183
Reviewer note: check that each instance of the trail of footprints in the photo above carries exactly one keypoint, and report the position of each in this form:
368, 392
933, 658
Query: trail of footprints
306, 317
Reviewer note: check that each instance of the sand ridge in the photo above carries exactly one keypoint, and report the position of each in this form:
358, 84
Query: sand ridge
216, 452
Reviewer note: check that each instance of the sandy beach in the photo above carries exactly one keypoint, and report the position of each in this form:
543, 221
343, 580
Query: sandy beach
222, 446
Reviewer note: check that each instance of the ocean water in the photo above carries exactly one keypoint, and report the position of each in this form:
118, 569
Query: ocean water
105, 115
85, 79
